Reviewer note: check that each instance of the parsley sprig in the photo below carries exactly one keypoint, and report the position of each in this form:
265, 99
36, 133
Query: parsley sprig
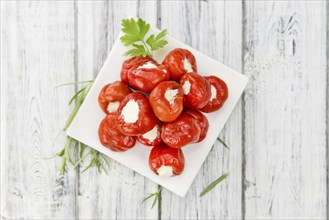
134, 35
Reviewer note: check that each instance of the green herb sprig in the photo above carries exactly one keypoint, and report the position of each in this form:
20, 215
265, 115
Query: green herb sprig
156, 197
220, 179
223, 143
96, 159
134, 35
213, 184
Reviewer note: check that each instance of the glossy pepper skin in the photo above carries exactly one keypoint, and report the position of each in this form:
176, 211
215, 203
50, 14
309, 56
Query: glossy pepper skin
112, 138
145, 79
202, 122
145, 119
199, 91
144, 138
162, 108
174, 62
163, 155
128, 64
181, 132
221, 94
112, 92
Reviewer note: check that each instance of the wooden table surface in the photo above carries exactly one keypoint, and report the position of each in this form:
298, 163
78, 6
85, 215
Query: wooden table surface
278, 132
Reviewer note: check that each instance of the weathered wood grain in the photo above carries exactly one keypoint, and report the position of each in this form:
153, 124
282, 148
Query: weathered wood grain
118, 195
281, 123
285, 110
214, 28
37, 54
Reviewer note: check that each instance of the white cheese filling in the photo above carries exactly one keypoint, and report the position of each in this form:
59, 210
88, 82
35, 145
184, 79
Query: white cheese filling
170, 95
130, 112
186, 87
165, 171
113, 106
187, 65
151, 135
213, 92
147, 65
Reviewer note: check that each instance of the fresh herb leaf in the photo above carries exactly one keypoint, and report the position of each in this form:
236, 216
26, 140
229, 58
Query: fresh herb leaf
156, 42
138, 50
80, 98
76, 95
73, 83
97, 159
223, 143
213, 184
134, 34
156, 195
134, 31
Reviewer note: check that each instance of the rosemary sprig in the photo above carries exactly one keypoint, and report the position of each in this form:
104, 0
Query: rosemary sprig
97, 159
157, 197
223, 143
213, 184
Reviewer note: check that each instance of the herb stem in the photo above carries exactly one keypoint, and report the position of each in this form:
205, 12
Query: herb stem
74, 112
67, 147
147, 49
78, 104
73, 83
62, 170
81, 159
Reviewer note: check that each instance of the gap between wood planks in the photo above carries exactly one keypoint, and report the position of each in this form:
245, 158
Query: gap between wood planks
327, 107
243, 116
158, 25
76, 79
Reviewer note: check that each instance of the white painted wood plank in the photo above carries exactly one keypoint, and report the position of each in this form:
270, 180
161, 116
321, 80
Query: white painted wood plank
118, 195
214, 28
37, 54
285, 110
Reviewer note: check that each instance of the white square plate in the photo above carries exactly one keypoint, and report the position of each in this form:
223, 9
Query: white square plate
85, 124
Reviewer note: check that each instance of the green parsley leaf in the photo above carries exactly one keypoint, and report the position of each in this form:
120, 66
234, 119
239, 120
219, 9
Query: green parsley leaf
138, 50
134, 34
134, 31
156, 42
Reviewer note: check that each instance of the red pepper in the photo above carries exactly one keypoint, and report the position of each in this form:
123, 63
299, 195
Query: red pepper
196, 90
202, 122
111, 137
179, 61
150, 138
145, 79
184, 130
163, 109
112, 93
128, 64
220, 88
163, 158
135, 116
